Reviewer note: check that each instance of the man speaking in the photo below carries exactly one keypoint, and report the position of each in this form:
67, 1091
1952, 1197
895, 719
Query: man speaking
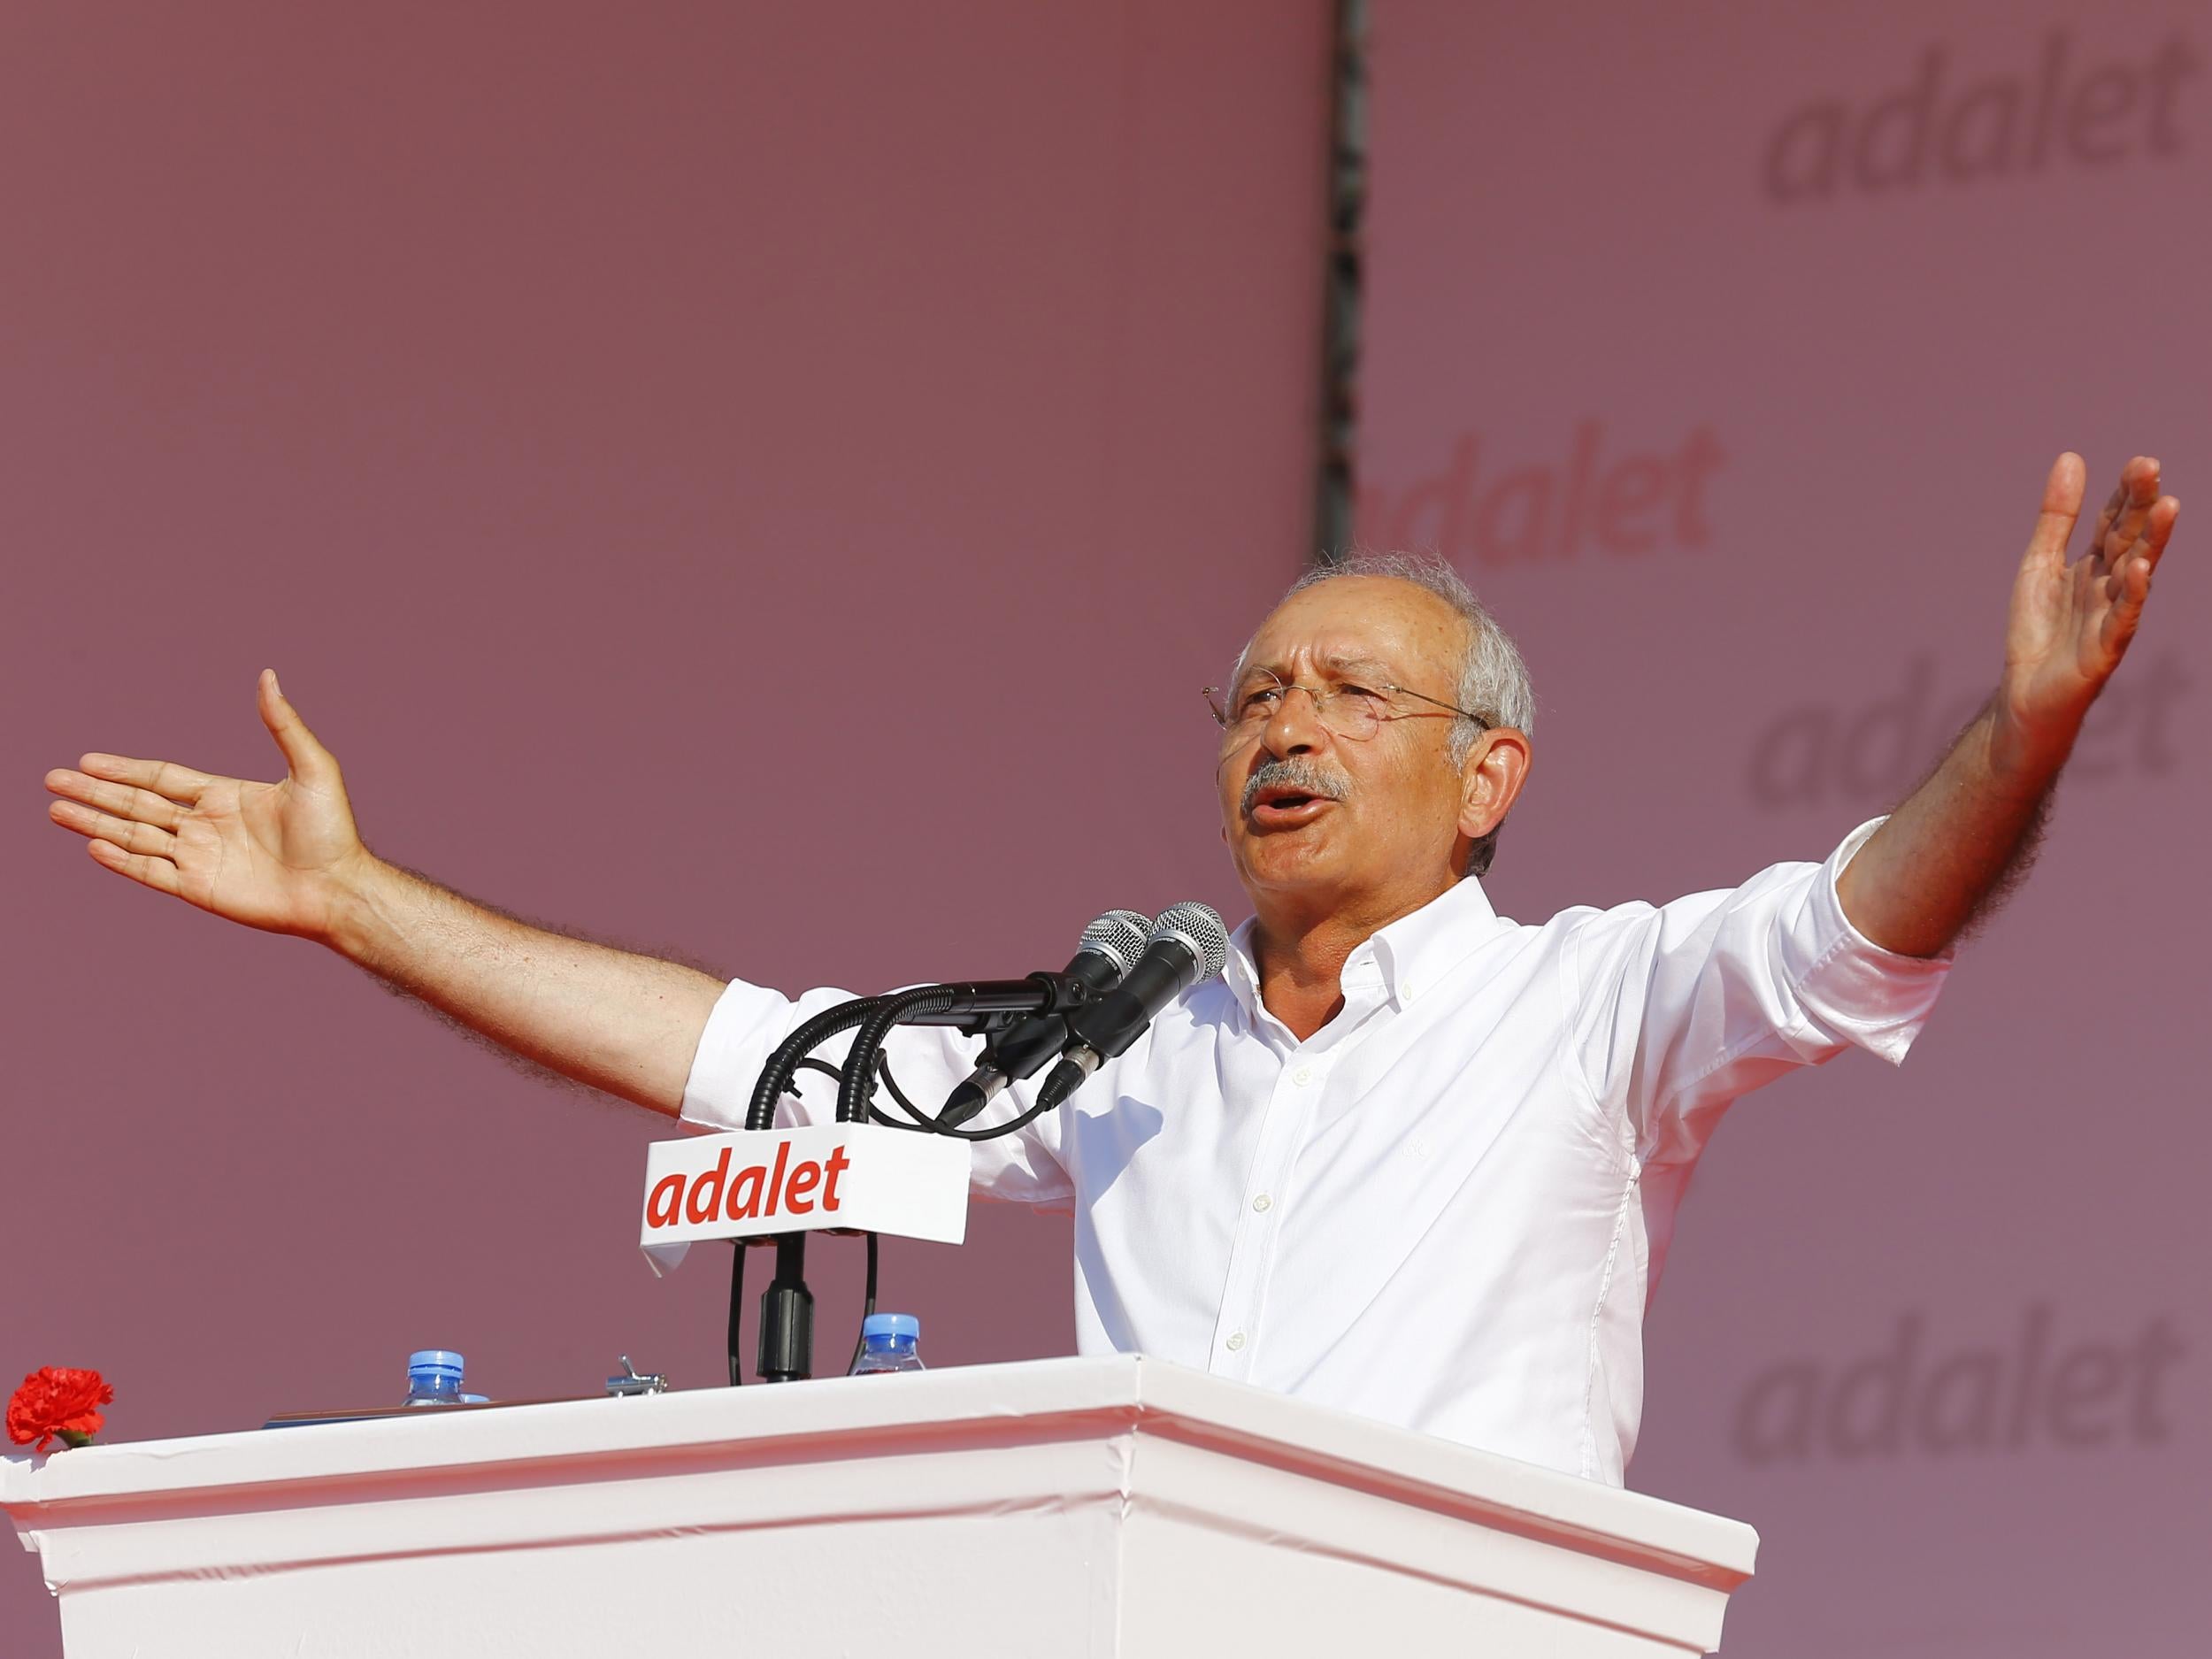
1406, 1157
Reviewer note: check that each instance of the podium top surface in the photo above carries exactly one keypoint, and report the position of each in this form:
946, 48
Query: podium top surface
981, 1405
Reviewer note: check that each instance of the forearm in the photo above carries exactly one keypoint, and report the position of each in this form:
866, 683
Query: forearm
618, 1021
1959, 842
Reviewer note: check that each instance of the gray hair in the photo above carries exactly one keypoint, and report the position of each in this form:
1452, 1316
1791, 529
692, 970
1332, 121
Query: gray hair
1493, 682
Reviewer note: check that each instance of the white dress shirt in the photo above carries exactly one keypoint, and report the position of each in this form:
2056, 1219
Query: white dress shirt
1447, 1207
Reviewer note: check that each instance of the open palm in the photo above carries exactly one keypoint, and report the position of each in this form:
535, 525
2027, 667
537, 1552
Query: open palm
269, 855
2070, 624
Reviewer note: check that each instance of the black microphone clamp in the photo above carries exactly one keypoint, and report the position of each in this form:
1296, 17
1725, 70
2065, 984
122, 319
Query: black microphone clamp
960, 1002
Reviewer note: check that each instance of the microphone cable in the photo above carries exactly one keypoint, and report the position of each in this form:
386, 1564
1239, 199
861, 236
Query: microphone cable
925, 1125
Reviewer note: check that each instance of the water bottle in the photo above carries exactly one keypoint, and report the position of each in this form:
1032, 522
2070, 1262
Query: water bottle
434, 1378
887, 1343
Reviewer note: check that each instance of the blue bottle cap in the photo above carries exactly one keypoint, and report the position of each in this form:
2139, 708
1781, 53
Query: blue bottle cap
434, 1359
891, 1325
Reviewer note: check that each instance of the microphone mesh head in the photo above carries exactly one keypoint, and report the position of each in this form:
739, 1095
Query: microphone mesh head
1119, 934
1197, 927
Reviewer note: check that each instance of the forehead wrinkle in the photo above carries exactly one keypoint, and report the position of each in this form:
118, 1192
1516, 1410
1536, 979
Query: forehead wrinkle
1340, 662
1335, 663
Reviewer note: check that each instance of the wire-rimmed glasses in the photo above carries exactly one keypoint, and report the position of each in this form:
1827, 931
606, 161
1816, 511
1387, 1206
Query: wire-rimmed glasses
1347, 710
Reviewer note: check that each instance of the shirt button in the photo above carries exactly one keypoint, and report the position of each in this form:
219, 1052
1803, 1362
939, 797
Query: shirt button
1236, 1341
1302, 1076
1261, 1202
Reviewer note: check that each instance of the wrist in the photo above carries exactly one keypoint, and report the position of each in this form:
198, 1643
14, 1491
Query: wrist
2027, 747
357, 905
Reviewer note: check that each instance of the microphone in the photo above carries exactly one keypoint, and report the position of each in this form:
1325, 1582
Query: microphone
1188, 944
1108, 949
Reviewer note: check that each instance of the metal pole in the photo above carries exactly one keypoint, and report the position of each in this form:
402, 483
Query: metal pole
1337, 473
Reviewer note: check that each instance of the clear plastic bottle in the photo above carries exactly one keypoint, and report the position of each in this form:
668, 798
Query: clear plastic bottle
434, 1378
887, 1343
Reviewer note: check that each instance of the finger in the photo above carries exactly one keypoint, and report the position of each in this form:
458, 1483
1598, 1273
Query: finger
2126, 614
2137, 493
2158, 529
133, 838
2061, 505
180, 784
2107, 516
143, 806
158, 873
308, 760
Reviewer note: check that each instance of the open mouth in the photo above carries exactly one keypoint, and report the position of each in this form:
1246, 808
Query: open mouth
1286, 809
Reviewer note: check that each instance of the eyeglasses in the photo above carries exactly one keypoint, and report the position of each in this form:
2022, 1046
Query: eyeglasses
1347, 710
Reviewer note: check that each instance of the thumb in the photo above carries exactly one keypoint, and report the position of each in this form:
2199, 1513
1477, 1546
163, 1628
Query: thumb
2061, 506
304, 754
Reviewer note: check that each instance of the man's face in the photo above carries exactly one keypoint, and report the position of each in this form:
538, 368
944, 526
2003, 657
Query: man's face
1335, 820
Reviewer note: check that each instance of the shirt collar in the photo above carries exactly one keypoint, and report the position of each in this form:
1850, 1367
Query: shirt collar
1400, 961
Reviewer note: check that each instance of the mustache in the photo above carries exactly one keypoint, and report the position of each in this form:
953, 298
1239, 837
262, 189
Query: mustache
1305, 776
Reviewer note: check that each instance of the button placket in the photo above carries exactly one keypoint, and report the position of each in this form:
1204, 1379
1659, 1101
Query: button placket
1251, 1250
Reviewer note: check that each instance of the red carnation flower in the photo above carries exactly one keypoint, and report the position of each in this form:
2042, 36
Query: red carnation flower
56, 1402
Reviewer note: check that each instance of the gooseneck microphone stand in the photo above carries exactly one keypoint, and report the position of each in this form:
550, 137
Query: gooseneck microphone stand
786, 1307
976, 1008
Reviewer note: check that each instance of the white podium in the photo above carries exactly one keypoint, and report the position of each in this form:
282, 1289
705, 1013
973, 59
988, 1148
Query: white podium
1116, 1506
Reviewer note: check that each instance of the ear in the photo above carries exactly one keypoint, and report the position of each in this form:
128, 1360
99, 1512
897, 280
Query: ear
1491, 780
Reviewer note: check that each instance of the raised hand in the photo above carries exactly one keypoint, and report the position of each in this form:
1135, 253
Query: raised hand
2070, 624
273, 856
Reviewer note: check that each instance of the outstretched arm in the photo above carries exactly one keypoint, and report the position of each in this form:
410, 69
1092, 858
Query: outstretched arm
1944, 858
286, 857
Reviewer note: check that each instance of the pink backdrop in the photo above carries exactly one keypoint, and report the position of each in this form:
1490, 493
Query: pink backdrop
1724, 350
766, 484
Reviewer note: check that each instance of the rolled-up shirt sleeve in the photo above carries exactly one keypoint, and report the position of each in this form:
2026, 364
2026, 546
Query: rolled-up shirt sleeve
749, 1021
1678, 1009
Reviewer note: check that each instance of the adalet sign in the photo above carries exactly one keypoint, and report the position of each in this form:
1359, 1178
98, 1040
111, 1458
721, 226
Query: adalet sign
752, 1183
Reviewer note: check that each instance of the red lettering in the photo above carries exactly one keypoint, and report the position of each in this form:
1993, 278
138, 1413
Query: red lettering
1554, 509
837, 1166
665, 1205
748, 1181
775, 1181
802, 1182
708, 1187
